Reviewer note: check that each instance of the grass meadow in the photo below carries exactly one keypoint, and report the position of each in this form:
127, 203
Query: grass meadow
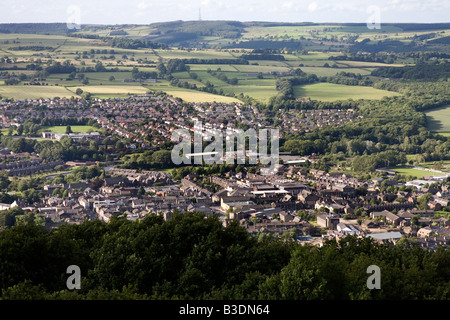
77, 129
334, 92
35, 92
438, 120
111, 90
415, 172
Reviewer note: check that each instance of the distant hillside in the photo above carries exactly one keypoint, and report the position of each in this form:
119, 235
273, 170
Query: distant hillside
35, 28
253, 35
225, 29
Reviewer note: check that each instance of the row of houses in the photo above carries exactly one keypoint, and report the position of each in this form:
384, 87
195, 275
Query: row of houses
34, 166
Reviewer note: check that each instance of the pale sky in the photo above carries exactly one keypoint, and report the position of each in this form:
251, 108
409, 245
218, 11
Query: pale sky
149, 11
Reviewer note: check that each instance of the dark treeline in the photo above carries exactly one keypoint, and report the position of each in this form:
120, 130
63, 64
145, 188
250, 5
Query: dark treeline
136, 74
371, 57
58, 67
391, 57
214, 61
69, 121
267, 44
126, 43
263, 56
176, 65
64, 149
348, 78
35, 28
422, 71
84, 36
443, 40
386, 46
123, 43
32, 48
190, 257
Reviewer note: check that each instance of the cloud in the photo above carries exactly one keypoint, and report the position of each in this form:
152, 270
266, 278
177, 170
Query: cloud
143, 5
313, 6
288, 5
417, 5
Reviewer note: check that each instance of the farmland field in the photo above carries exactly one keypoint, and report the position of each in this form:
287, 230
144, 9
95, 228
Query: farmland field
187, 94
438, 120
85, 52
205, 67
326, 72
184, 54
197, 96
366, 64
34, 92
333, 92
109, 90
258, 92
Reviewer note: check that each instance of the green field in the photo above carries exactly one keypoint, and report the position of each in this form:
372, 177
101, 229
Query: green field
111, 90
319, 43
334, 92
438, 120
415, 172
77, 129
34, 92
366, 64
188, 54
327, 72
197, 96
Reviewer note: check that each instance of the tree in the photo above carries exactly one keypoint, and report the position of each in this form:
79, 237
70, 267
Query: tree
162, 159
119, 145
96, 184
68, 129
8, 217
99, 67
20, 130
300, 279
415, 220
79, 91
93, 146
141, 191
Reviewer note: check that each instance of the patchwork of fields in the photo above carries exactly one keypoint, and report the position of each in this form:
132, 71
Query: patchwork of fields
256, 80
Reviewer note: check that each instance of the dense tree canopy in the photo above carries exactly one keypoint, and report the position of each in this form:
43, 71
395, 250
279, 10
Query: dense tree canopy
193, 257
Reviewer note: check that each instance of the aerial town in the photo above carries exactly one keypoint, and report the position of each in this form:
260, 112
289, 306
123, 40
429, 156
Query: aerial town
298, 201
